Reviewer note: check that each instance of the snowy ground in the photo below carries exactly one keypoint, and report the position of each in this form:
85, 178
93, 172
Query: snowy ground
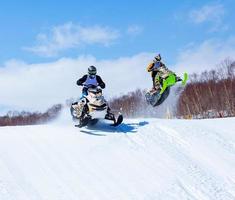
143, 159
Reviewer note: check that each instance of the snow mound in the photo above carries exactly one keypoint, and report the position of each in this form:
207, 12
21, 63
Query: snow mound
141, 159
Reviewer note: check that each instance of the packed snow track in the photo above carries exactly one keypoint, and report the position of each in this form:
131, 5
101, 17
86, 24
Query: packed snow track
143, 159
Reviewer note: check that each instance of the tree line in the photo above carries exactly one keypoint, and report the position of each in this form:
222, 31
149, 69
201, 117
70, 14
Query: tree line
14, 118
209, 94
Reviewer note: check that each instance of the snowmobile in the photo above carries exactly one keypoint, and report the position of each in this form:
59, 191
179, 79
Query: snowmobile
95, 108
157, 97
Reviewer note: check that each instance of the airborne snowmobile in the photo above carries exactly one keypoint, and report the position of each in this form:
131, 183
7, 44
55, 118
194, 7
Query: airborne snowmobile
95, 108
156, 97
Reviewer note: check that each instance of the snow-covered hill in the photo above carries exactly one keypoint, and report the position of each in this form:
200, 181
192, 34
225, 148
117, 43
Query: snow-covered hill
142, 159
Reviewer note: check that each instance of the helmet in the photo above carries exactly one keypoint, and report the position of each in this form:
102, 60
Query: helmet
158, 57
91, 70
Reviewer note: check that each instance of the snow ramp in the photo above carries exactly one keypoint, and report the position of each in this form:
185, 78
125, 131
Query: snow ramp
143, 159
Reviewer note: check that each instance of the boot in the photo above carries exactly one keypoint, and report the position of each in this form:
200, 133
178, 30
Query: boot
155, 88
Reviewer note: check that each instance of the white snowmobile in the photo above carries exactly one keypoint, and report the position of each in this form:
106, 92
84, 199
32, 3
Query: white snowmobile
95, 108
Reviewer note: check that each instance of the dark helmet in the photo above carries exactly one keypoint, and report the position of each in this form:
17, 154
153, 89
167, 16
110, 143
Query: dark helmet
91, 70
158, 57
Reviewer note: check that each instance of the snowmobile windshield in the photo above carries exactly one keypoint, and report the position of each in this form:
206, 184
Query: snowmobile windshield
95, 92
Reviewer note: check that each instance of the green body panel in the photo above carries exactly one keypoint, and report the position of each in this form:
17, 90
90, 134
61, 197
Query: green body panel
171, 80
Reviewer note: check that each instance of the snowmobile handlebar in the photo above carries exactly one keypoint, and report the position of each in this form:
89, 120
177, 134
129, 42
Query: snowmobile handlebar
91, 86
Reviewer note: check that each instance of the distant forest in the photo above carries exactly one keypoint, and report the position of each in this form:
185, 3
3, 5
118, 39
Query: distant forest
209, 94
27, 118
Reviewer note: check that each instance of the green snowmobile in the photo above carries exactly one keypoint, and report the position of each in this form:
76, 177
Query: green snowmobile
156, 97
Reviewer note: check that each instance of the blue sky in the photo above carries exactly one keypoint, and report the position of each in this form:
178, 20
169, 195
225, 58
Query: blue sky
45, 46
164, 26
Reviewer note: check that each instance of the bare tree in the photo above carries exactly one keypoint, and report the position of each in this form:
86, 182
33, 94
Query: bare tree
210, 94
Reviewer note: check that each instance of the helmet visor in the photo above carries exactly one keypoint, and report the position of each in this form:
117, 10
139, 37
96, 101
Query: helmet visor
92, 72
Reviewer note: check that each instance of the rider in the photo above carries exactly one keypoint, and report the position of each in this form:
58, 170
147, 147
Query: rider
159, 72
88, 80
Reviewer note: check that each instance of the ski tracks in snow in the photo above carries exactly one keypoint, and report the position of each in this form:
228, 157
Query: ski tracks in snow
197, 176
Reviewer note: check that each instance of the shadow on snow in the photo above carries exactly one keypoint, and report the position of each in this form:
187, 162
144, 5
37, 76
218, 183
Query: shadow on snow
104, 129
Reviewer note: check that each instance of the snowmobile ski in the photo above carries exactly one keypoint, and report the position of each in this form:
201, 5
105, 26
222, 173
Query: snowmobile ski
118, 122
185, 79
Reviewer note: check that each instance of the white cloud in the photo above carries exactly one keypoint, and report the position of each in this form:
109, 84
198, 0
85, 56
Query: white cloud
71, 35
38, 86
212, 13
208, 13
205, 56
134, 30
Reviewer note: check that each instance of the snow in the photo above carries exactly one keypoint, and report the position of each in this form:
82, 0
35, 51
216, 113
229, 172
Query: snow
143, 159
